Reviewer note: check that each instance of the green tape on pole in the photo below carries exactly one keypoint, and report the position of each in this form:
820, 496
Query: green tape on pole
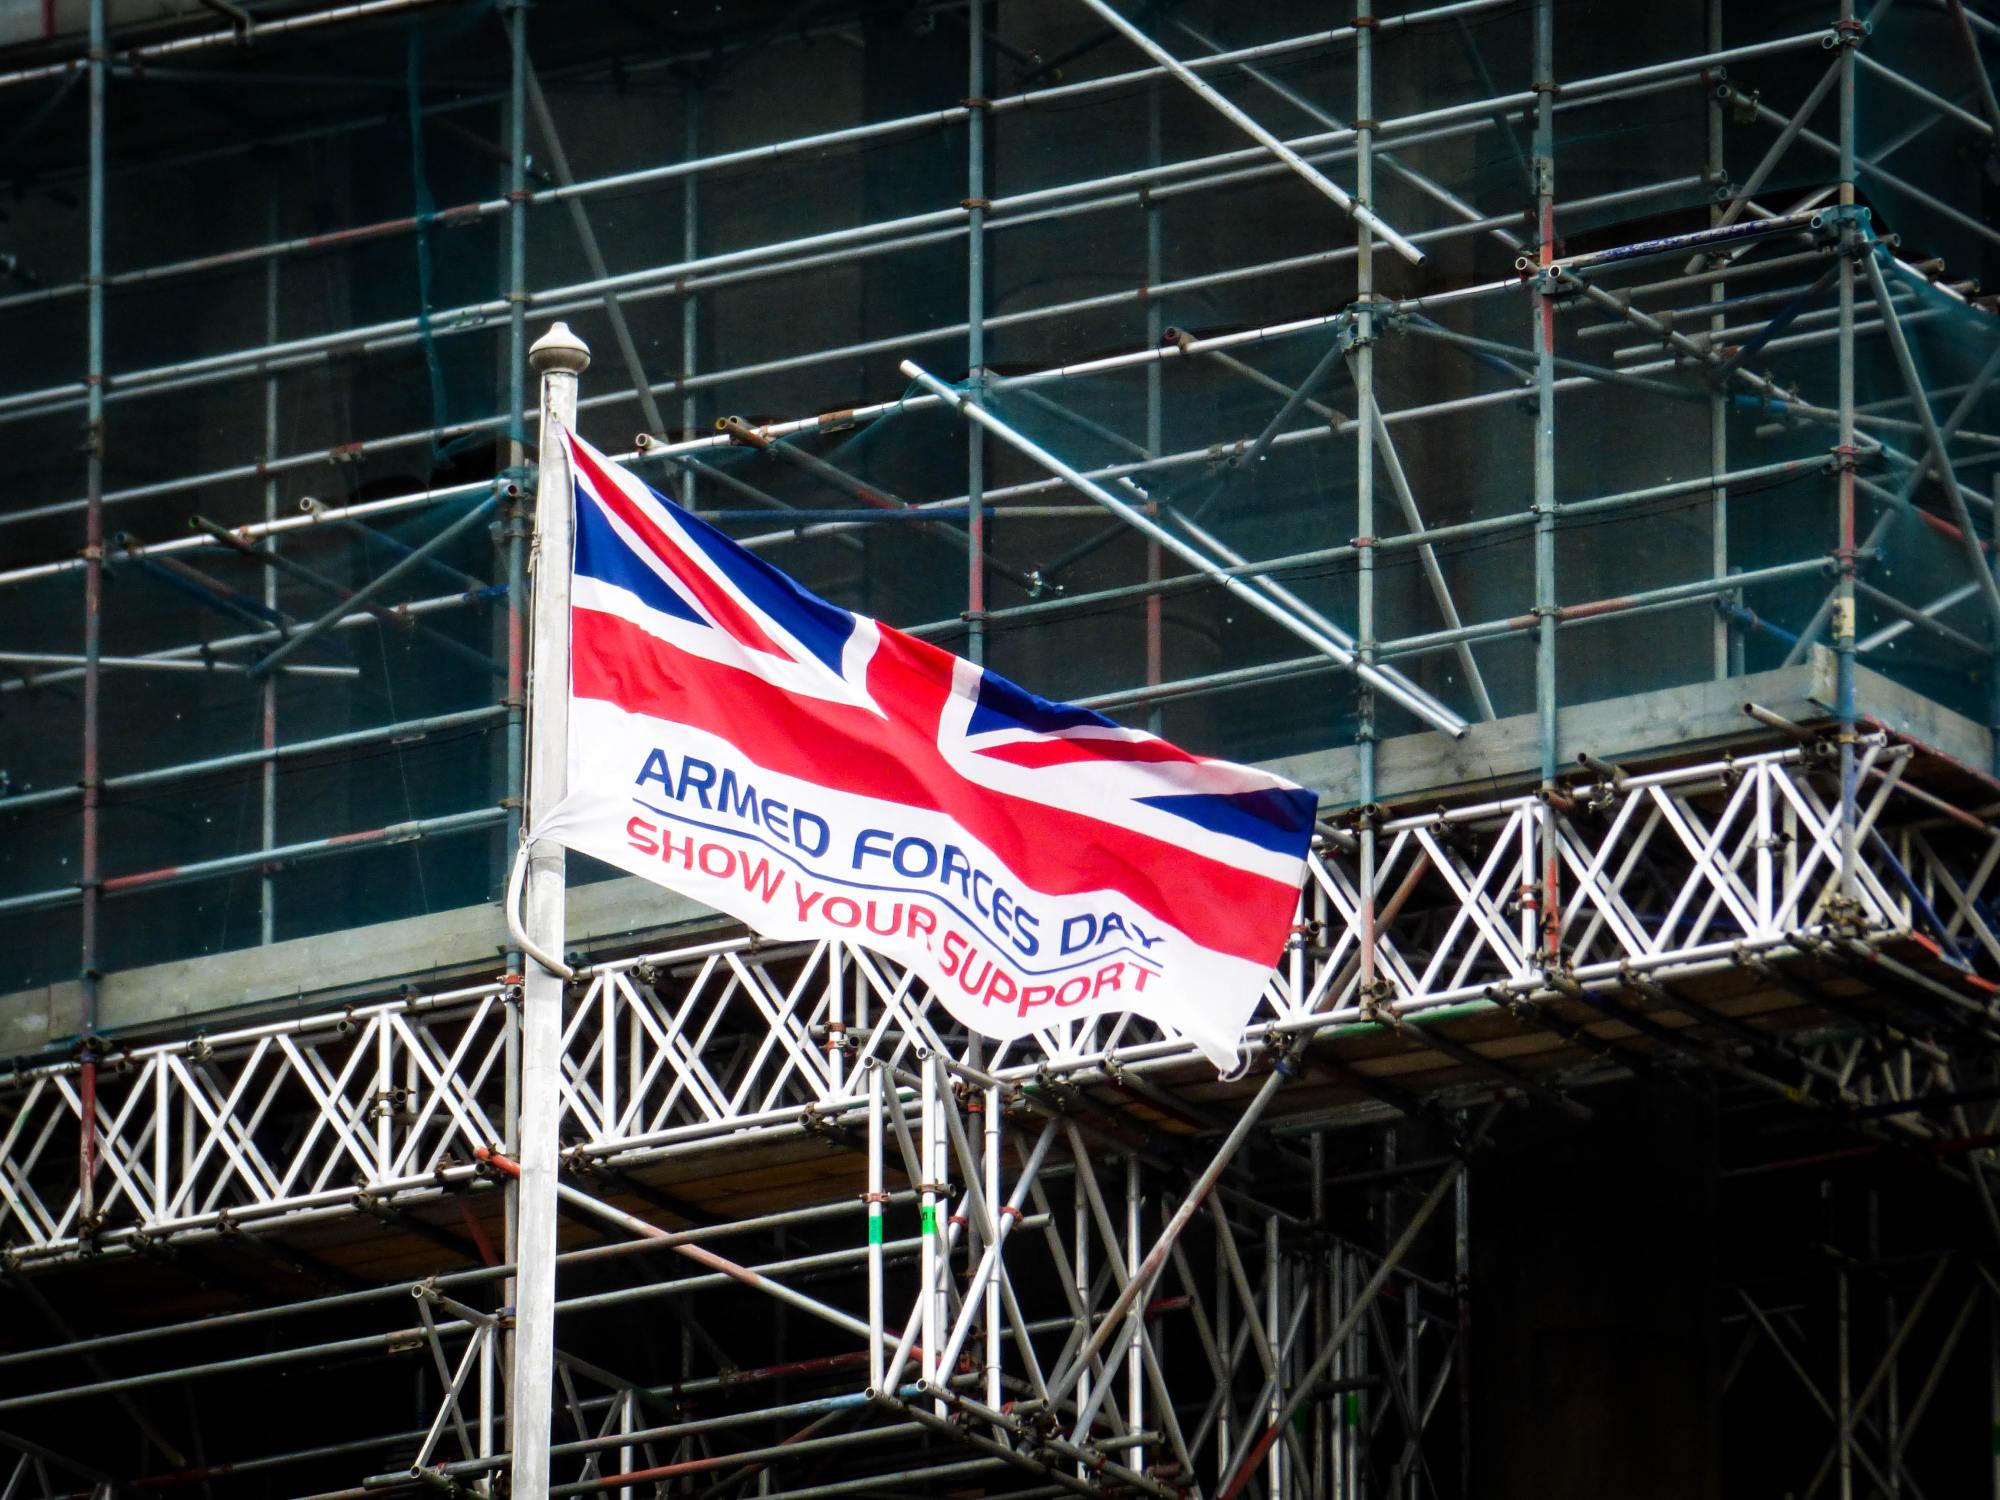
929, 1219
874, 1229
1996, 1439
1353, 1409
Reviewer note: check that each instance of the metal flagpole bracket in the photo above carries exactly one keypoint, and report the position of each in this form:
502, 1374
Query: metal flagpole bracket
517, 881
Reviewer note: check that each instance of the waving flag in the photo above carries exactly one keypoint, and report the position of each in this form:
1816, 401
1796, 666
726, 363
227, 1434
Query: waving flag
817, 774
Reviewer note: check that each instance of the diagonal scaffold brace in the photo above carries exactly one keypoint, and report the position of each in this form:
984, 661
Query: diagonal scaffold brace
1417, 702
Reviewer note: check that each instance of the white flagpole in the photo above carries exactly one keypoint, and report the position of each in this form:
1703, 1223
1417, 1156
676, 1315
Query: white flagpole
559, 357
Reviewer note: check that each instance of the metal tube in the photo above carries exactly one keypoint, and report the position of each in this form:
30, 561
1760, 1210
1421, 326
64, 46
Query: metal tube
1406, 500
1135, 1351
1156, 1257
1844, 1421
267, 897
674, 279
559, 357
875, 1199
234, 864
700, 1255
273, 26
274, 563
1261, 444
400, 1291
1371, 439
1922, 619
1762, 171
1725, 644
1727, 234
198, 651
1433, 536
986, 1276
1247, 1460
376, 585
773, 430
1673, 593
593, 254
997, 1278
712, 1461
1222, 106
1711, 300
1548, 877
975, 334
89, 873
514, 539
1989, 105
1968, 536
1845, 458
157, 664
692, 167
1898, 503
1148, 527
1510, 358
1934, 101
1363, 40
1235, 561
1842, 151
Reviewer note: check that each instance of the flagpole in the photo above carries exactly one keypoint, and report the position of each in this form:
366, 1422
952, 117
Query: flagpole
559, 357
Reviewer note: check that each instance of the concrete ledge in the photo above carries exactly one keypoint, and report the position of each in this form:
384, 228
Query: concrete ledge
312, 973
1492, 760
1505, 756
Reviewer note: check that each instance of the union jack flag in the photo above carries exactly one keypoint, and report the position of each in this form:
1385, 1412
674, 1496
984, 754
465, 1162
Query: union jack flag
815, 773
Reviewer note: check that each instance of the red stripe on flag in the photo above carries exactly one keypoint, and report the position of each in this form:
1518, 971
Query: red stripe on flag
1036, 753
718, 604
1049, 849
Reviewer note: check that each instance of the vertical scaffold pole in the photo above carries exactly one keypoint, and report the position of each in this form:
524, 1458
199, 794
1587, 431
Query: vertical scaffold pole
1367, 414
1993, 685
1845, 1414
267, 695
514, 544
1718, 401
516, 17
1993, 1383
876, 1146
929, 1240
1321, 1291
690, 250
975, 327
1274, 1331
1544, 173
1462, 1288
1843, 609
90, 874
995, 1205
937, 1166
1080, 1238
1135, 1373
1156, 327
559, 357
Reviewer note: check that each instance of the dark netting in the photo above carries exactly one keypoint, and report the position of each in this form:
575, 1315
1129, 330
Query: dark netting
759, 217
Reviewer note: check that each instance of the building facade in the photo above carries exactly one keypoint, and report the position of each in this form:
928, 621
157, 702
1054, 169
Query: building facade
1568, 433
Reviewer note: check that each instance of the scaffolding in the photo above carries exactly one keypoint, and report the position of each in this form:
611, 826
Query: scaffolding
1614, 560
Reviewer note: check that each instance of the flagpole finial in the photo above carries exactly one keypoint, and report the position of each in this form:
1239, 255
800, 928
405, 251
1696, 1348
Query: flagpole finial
559, 349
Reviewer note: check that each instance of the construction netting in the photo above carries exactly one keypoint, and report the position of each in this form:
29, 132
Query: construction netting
317, 434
